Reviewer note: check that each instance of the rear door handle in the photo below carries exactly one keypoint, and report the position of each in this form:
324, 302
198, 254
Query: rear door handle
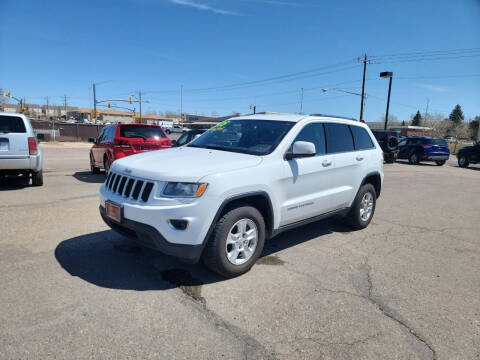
326, 163
359, 158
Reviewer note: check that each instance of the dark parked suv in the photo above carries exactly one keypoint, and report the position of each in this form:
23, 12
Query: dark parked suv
388, 141
417, 149
469, 155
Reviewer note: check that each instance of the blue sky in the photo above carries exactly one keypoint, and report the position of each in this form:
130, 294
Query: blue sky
60, 47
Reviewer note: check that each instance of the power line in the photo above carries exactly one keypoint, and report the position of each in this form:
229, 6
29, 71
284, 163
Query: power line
427, 53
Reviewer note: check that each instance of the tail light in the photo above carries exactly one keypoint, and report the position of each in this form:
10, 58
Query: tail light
121, 144
166, 143
32, 146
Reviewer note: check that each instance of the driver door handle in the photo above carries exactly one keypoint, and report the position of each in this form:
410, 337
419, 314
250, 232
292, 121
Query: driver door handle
359, 158
326, 163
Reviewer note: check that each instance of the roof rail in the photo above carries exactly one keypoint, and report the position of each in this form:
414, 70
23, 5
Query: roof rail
335, 116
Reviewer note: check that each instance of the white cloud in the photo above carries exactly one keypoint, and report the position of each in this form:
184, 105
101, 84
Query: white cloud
431, 87
204, 7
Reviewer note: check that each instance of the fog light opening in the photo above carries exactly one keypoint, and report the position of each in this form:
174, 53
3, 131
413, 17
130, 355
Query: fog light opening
178, 224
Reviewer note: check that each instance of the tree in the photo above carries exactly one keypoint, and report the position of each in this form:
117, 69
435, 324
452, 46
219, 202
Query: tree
403, 122
473, 126
417, 119
456, 116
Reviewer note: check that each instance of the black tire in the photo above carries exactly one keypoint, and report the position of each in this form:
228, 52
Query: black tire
391, 142
389, 158
106, 165
215, 257
37, 178
463, 161
440, 162
93, 168
353, 218
414, 159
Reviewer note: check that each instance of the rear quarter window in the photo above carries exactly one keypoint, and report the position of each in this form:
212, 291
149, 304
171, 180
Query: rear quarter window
362, 139
339, 138
12, 124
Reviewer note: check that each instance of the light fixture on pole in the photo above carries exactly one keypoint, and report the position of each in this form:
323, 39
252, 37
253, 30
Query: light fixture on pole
387, 74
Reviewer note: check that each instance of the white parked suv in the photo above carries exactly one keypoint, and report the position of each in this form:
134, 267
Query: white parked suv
19, 151
242, 182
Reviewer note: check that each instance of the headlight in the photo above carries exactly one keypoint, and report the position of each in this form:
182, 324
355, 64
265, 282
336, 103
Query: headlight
176, 189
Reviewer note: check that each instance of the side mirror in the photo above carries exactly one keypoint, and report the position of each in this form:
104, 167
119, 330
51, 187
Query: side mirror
301, 149
92, 140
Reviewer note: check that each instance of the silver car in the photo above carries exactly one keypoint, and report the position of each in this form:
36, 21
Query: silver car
19, 151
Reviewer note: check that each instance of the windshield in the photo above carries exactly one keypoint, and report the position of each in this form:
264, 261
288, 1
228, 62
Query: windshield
256, 137
145, 132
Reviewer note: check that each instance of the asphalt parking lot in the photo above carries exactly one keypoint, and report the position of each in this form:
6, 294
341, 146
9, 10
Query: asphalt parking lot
407, 287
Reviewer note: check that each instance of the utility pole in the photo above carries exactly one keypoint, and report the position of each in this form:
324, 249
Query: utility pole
181, 104
426, 110
362, 101
65, 104
140, 101
94, 103
301, 101
53, 120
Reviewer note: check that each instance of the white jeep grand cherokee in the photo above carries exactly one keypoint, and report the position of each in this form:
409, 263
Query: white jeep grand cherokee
244, 181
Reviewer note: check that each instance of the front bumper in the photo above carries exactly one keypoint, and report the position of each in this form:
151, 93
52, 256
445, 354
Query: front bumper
150, 237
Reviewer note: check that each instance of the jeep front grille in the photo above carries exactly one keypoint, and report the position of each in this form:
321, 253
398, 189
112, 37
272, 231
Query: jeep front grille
129, 187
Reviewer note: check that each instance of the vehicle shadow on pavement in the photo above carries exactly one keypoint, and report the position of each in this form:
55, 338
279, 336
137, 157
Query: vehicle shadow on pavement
16, 183
109, 260
88, 177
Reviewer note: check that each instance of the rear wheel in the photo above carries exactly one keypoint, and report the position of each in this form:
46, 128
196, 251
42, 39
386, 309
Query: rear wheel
440, 162
363, 208
414, 159
37, 178
236, 243
463, 161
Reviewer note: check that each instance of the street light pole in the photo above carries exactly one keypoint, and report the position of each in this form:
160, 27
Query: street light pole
387, 74
94, 103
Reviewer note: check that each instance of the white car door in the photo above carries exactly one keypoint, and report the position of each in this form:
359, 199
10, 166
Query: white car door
347, 163
307, 182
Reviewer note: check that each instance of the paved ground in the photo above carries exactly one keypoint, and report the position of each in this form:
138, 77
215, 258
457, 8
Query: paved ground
407, 287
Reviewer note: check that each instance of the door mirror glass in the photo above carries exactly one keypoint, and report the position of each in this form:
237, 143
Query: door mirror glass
92, 140
301, 149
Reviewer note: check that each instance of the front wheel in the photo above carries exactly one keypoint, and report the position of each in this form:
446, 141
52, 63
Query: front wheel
106, 166
440, 162
414, 159
236, 243
363, 208
93, 168
463, 161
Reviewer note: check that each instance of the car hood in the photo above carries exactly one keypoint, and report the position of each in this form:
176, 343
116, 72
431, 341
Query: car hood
183, 163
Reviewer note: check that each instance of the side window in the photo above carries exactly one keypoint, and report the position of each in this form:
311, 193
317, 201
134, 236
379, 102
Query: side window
362, 139
339, 138
403, 142
315, 134
111, 133
101, 136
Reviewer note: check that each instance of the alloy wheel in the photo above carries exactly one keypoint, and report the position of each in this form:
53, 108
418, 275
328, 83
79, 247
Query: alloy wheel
241, 241
366, 206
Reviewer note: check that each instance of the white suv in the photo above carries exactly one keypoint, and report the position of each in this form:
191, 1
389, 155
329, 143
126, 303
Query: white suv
242, 182
19, 151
